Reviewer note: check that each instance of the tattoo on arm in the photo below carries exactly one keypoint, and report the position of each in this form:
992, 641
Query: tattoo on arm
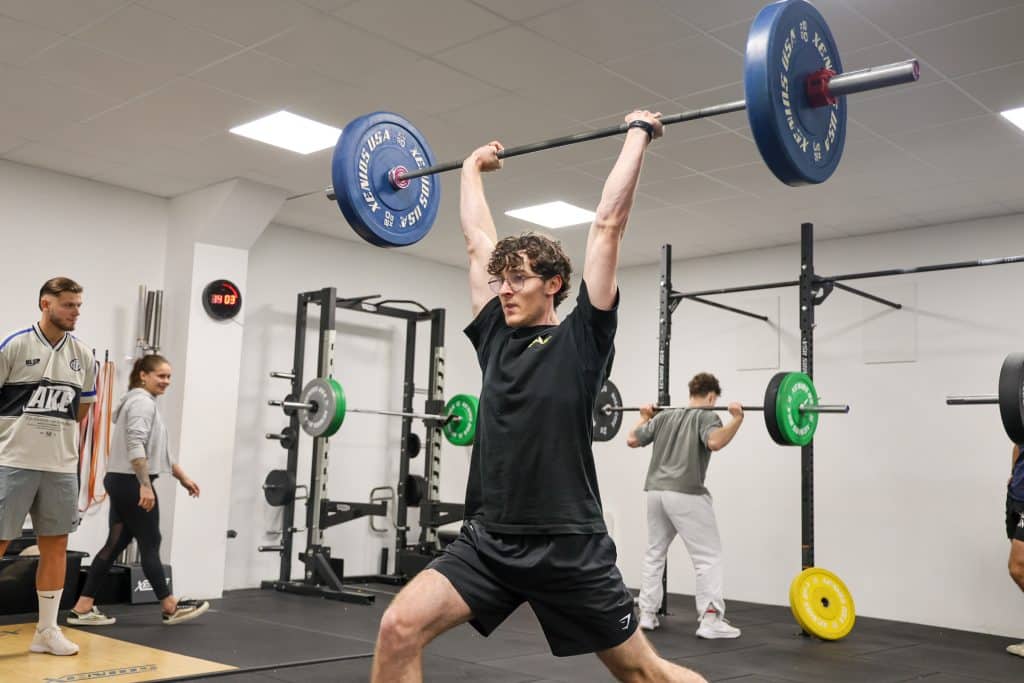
141, 467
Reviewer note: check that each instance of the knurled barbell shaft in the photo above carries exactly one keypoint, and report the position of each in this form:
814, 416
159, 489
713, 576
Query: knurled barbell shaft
971, 400
300, 405
871, 78
398, 413
821, 408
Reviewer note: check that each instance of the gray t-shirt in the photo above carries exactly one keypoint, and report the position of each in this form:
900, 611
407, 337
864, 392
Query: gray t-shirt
681, 454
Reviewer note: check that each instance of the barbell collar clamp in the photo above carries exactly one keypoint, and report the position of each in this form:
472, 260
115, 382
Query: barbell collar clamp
971, 400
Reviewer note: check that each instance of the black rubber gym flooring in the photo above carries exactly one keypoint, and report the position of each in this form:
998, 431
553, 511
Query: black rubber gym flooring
253, 628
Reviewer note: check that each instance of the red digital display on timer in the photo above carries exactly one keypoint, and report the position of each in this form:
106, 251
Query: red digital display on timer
222, 300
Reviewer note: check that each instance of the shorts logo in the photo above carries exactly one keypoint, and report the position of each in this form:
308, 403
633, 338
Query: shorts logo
1020, 524
75, 365
32, 361
625, 621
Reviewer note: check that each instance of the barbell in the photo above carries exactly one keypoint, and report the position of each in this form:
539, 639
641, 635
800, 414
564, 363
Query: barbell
795, 97
1010, 398
321, 407
790, 408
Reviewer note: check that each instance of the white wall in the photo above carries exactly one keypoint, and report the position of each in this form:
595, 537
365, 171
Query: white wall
908, 491
108, 239
369, 365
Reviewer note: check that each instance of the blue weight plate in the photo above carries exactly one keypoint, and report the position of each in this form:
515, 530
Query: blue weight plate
369, 147
788, 42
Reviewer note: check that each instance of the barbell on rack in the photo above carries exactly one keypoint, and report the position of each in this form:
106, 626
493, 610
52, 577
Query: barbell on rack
321, 407
794, 88
1010, 398
790, 408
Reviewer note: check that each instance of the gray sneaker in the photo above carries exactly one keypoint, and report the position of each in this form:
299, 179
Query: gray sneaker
186, 611
93, 617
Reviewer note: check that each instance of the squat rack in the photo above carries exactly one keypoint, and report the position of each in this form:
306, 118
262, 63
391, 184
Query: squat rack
324, 576
814, 290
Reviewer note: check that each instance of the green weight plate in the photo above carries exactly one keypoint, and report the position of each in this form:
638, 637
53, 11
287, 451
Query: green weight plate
461, 432
328, 413
796, 428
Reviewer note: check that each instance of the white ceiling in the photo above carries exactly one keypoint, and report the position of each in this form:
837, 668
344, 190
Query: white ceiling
140, 94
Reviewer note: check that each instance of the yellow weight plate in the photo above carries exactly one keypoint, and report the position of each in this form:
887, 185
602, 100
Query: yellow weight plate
822, 604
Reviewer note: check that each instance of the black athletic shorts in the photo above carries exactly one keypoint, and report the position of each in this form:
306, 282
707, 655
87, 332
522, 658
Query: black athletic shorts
1014, 519
570, 581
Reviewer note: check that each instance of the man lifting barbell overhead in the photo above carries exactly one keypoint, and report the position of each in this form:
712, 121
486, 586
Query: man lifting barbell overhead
534, 529
679, 503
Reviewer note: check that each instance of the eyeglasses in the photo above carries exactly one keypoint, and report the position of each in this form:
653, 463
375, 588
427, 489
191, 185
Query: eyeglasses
516, 281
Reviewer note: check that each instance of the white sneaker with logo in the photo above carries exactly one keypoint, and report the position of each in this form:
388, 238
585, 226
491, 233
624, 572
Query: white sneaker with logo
649, 621
52, 641
1016, 649
713, 625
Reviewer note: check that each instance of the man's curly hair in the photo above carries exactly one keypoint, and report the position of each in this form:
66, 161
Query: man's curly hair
544, 254
703, 383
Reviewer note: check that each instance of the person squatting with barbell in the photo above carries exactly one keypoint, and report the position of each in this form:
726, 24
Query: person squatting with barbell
679, 503
534, 529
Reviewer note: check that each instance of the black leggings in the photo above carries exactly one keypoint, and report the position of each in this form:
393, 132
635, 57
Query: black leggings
128, 521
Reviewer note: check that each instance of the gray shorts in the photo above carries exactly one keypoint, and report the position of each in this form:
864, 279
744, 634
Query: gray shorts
50, 497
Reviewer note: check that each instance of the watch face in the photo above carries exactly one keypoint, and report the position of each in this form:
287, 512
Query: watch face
222, 299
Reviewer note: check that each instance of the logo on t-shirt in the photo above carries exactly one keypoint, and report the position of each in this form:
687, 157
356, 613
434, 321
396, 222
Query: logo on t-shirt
75, 365
50, 399
31, 361
539, 341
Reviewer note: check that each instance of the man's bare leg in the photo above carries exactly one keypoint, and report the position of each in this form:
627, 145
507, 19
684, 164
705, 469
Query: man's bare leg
427, 607
635, 660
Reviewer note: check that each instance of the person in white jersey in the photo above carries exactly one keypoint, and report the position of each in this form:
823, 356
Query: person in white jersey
47, 381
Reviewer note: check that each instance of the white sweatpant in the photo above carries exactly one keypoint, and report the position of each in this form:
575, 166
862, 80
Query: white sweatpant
693, 518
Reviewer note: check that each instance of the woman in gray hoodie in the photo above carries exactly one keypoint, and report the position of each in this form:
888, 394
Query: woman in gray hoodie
138, 454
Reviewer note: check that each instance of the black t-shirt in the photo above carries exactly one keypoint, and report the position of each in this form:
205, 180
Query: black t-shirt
1016, 487
532, 469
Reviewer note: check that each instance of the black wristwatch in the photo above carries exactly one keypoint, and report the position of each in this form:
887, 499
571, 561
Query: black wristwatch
644, 125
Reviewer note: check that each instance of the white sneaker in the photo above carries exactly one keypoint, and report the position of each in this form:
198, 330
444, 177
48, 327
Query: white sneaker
185, 611
649, 621
52, 641
713, 625
93, 617
1016, 649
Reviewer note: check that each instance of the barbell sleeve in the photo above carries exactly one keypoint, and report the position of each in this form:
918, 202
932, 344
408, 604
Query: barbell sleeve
971, 400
